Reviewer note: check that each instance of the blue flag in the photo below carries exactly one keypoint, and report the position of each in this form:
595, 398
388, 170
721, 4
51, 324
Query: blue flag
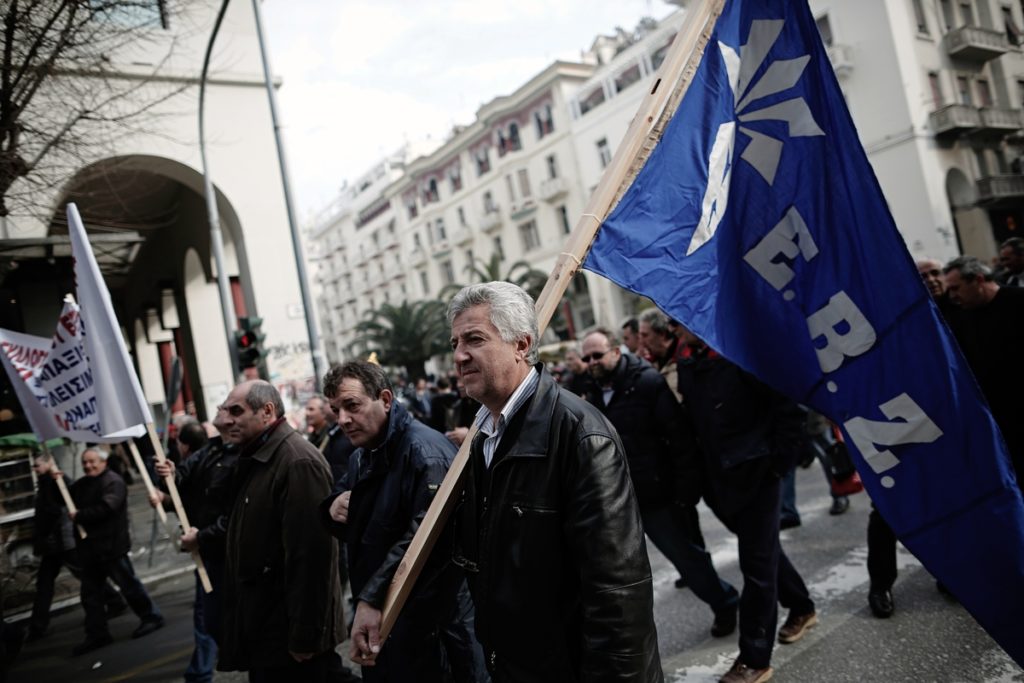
758, 223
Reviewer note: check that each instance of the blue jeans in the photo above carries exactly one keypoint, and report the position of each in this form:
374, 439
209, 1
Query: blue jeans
204, 655
675, 531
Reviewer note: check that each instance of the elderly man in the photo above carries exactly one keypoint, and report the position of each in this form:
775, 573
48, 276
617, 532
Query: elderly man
638, 402
1011, 262
991, 335
282, 604
376, 508
327, 435
549, 528
102, 501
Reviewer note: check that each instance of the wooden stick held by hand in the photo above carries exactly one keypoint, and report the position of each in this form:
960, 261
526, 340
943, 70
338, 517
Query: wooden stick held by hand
66, 495
179, 508
144, 472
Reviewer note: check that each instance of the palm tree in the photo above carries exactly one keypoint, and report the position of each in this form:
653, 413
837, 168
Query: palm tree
520, 273
406, 335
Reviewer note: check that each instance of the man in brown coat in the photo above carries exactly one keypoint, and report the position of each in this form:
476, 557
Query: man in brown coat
282, 600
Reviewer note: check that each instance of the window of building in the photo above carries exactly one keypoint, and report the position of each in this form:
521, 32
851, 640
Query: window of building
544, 120
524, 183
130, 15
416, 242
402, 288
483, 161
963, 89
447, 272
442, 235
462, 216
513, 142
498, 249
627, 78
563, 219
1020, 93
592, 99
604, 152
469, 257
552, 163
425, 282
984, 93
658, 56
947, 14
922, 22
455, 178
825, 29
530, 235
430, 193
936, 87
966, 13
410, 206
511, 189
1013, 34
489, 205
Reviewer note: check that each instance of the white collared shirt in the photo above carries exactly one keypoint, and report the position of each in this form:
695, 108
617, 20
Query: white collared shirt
485, 421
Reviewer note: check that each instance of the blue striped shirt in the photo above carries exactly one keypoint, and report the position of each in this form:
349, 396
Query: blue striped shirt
485, 421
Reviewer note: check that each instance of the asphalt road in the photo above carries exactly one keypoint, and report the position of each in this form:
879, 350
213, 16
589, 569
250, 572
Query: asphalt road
930, 638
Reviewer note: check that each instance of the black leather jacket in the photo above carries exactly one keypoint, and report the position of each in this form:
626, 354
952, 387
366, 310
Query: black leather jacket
205, 481
551, 539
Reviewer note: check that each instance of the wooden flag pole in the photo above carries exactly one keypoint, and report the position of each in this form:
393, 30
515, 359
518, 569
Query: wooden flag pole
144, 473
643, 134
172, 488
64, 493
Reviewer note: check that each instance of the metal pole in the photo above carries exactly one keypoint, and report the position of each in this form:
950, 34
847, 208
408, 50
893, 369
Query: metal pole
227, 306
300, 263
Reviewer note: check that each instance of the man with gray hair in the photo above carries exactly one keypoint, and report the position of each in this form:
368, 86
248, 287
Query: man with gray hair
282, 600
990, 331
548, 529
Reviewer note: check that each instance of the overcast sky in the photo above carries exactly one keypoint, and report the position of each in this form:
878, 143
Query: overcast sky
362, 76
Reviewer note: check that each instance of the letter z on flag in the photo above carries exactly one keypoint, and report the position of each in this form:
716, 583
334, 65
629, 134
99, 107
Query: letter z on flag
758, 223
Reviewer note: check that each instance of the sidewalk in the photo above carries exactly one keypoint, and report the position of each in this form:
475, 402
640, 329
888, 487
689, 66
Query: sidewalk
154, 555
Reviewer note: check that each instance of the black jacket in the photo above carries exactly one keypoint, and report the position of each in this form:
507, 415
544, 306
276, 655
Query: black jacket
102, 503
205, 482
650, 423
52, 534
392, 487
551, 539
746, 430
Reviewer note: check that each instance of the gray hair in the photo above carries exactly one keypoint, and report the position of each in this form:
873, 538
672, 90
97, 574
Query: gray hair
513, 311
1014, 243
261, 393
100, 453
657, 321
971, 268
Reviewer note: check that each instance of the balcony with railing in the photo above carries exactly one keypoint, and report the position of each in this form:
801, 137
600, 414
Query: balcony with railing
553, 189
441, 247
954, 120
388, 241
417, 257
1000, 189
522, 210
975, 44
462, 236
997, 122
841, 57
491, 220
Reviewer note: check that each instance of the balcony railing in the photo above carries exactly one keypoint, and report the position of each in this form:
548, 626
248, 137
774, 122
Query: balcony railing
841, 57
552, 189
522, 210
999, 188
954, 119
975, 43
388, 241
440, 247
491, 221
1000, 121
462, 236
417, 256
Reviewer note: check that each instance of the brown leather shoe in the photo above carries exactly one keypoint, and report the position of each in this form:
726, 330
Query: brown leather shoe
796, 626
741, 673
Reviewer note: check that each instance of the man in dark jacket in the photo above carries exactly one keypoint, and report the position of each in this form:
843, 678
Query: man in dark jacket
204, 482
102, 501
749, 437
640, 405
328, 437
549, 529
282, 602
53, 542
376, 509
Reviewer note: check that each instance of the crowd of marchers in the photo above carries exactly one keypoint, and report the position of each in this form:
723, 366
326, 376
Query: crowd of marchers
541, 573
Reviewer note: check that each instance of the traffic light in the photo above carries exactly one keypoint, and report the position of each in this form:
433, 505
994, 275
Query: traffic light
249, 342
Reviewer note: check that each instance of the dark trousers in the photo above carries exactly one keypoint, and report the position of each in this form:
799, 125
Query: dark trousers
312, 670
204, 654
769, 578
881, 552
675, 531
120, 571
46, 578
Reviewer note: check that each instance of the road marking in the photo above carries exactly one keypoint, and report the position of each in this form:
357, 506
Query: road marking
151, 664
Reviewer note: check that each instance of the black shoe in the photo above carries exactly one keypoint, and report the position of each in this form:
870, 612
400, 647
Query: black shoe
91, 644
148, 626
725, 622
789, 522
839, 505
115, 609
681, 582
881, 603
